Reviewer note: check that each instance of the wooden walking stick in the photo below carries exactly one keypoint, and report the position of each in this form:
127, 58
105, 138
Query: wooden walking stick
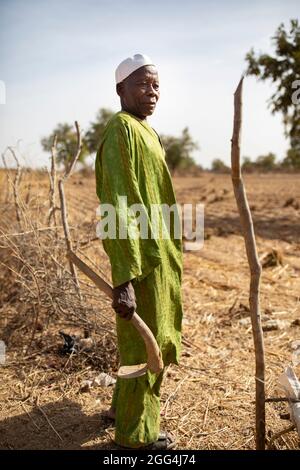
254, 265
154, 360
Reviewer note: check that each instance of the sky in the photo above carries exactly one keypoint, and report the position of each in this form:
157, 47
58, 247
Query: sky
58, 58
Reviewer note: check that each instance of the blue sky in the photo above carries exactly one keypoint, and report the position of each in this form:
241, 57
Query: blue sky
57, 60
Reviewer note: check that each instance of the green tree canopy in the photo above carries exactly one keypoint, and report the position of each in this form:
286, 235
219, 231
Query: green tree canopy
283, 69
179, 150
67, 140
66, 143
248, 165
263, 163
218, 166
292, 160
266, 162
94, 133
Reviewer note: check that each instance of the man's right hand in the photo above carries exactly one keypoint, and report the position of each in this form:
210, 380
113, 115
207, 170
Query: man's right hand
124, 301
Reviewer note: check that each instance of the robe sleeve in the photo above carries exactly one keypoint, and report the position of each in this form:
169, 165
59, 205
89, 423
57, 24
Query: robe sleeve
115, 176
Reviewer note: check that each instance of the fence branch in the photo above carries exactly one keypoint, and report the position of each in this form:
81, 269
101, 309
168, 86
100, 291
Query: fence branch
15, 184
52, 178
254, 265
63, 205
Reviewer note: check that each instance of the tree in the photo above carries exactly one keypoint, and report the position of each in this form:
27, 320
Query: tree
248, 165
283, 69
94, 133
292, 160
262, 163
218, 166
66, 143
266, 162
178, 150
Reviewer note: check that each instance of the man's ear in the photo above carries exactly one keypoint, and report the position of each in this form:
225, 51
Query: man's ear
120, 88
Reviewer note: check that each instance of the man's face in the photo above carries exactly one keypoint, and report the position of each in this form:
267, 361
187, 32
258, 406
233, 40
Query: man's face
139, 92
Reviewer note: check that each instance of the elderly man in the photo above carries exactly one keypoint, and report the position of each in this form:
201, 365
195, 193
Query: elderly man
146, 271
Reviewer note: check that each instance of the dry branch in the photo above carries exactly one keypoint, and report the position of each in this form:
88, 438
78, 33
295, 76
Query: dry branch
254, 265
49, 422
15, 184
52, 178
16, 187
279, 434
63, 205
8, 180
20, 234
76, 154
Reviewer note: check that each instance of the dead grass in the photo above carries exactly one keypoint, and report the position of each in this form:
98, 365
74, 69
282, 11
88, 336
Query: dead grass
207, 402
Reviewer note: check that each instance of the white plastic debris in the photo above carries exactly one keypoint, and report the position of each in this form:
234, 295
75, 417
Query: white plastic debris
271, 325
245, 321
295, 346
86, 386
104, 380
2, 352
290, 384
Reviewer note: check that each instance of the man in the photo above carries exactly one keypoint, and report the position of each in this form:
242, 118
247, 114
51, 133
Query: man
146, 272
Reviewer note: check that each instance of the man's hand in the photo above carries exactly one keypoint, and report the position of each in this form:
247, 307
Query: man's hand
124, 303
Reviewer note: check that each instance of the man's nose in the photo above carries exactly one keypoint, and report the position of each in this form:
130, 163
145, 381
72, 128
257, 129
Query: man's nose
151, 91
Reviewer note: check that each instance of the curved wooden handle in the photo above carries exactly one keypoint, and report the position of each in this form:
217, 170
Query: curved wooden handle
154, 358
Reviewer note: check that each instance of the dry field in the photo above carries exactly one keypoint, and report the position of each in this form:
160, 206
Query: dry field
207, 401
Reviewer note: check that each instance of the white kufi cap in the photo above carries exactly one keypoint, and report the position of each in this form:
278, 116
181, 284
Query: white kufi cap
131, 64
